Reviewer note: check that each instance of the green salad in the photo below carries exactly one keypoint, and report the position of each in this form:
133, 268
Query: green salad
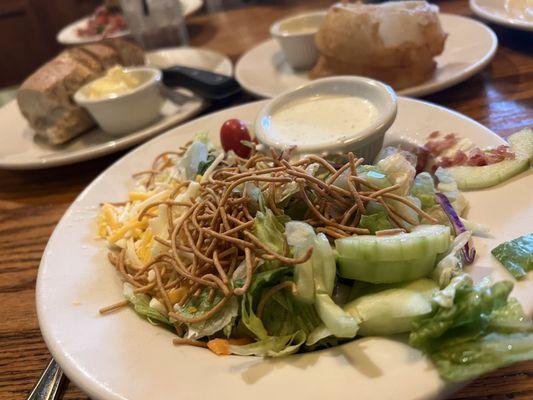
244, 250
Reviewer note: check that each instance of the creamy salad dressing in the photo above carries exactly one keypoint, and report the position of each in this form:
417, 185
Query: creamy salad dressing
301, 25
322, 120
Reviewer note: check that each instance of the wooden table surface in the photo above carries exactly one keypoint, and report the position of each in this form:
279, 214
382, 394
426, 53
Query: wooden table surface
31, 203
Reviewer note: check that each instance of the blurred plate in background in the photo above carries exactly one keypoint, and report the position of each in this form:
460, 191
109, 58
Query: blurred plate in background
69, 36
470, 46
25, 150
503, 13
190, 57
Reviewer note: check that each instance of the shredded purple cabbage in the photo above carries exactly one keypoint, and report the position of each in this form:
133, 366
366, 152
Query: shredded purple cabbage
468, 252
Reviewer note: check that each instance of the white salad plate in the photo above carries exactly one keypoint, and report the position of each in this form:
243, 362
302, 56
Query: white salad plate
469, 47
121, 356
501, 12
69, 34
25, 150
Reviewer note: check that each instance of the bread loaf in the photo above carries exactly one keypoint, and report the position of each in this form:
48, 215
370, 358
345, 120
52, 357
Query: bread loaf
395, 42
45, 98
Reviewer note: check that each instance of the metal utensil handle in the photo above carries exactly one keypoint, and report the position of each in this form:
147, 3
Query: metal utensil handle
48, 385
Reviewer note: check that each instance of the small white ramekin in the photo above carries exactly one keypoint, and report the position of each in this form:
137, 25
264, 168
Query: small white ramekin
298, 47
130, 111
365, 143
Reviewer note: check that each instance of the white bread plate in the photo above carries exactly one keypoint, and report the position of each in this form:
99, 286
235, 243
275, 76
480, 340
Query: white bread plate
25, 151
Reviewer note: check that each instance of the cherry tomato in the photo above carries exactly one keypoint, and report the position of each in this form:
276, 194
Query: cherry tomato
232, 133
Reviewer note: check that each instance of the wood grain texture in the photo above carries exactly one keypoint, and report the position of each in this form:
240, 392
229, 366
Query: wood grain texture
31, 203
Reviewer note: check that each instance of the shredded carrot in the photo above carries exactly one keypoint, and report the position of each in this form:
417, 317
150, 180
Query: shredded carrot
221, 346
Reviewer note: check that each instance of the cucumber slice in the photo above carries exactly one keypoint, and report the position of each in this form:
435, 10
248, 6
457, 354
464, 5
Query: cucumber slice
392, 311
472, 178
386, 271
422, 241
339, 322
521, 143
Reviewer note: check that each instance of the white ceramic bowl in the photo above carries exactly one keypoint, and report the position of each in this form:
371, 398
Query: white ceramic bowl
364, 143
130, 111
296, 37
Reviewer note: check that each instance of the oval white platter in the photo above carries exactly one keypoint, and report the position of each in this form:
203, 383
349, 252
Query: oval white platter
121, 356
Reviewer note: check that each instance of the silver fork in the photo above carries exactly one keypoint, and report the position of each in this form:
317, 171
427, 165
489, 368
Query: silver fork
49, 384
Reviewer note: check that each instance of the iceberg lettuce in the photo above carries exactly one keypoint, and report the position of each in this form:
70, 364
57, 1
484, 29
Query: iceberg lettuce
424, 189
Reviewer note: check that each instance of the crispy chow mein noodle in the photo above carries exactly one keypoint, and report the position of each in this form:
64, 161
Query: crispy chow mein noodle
209, 235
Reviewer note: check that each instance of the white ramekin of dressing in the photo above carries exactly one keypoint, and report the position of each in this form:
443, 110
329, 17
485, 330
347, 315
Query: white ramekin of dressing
329, 116
296, 37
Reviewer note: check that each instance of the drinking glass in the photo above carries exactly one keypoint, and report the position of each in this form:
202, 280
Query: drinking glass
156, 23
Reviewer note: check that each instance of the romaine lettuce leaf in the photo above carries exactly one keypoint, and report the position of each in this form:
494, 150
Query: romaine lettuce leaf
424, 189
285, 322
256, 200
198, 306
225, 317
195, 154
317, 277
452, 264
448, 186
399, 171
468, 360
375, 222
141, 305
265, 279
203, 165
319, 333
284, 315
481, 331
272, 346
516, 255
281, 318
270, 231
371, 173
510, 318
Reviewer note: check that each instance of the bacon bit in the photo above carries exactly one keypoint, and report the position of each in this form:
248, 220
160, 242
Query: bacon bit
437, 146
459, 158
221, 346
500, 153
477, 157
422, 156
